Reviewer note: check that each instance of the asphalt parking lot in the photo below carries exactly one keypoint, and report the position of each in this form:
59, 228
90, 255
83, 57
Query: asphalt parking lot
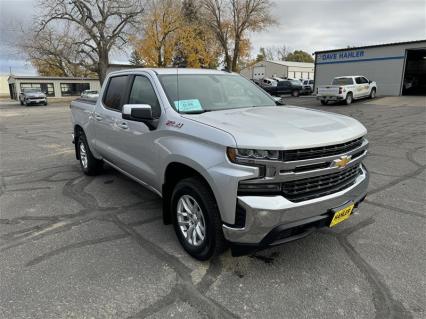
73, 246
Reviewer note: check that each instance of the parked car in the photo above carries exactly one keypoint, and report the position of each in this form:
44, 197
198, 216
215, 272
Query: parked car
89, 94
347, 89
293, 87
232, 167
32, 96
266, 83
308, 85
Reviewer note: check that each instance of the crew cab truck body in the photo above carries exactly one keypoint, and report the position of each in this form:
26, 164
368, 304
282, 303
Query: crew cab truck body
293, 87
347, 89
231, 166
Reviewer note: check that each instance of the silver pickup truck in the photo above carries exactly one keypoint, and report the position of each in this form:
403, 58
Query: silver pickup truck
233, 167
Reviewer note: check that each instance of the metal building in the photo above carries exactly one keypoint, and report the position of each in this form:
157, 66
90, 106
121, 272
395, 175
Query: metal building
398, 68
284, 69
53, 86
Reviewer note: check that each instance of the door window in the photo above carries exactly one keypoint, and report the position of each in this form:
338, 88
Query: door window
358, 80
113, 98
143, 93
364, 80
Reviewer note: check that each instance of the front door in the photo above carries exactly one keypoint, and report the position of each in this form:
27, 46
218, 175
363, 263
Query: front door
136, 140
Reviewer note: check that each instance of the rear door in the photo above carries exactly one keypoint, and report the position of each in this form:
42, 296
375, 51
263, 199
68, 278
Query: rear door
107, 120
284, 87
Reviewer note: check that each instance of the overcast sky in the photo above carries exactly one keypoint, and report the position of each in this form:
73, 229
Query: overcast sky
310, 25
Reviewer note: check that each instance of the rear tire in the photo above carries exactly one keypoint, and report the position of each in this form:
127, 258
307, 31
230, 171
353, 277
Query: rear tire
203, 206
373, 93
88, 163
349, 99
324, 102
295, 93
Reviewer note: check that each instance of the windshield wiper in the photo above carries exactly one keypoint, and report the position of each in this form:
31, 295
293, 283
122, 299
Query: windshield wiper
197, 112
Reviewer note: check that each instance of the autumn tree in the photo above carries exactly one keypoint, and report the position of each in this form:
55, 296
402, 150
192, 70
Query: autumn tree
196, 46
300, 56
160, 26
231, 20
173, 34
103, 26
136, 58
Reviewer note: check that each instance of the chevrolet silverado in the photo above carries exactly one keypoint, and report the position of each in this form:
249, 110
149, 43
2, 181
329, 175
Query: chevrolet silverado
233, 168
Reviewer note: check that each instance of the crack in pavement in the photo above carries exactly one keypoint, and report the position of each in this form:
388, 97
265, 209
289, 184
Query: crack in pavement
395, 209
187, 291
386, 306
80, 244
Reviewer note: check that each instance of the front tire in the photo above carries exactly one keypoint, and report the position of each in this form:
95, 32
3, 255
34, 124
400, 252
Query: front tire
88, 163
349, 99
324, 102
373, 93
196, 219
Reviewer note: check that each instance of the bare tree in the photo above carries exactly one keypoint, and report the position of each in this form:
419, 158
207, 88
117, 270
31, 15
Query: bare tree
102, 25
230, 20
54, 53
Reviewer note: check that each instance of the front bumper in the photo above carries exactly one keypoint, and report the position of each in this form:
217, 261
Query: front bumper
36, 101
266, 215
330, 98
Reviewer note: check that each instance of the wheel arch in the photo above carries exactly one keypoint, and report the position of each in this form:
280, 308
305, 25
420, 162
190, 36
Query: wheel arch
173, 173
78, 131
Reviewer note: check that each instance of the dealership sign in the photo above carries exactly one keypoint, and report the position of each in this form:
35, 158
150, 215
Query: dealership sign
344, 55
351, 56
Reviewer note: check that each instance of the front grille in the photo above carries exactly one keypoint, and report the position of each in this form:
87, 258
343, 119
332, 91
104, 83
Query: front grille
313, 187
317, 152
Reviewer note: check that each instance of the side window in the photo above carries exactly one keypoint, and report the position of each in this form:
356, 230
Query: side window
358, 80
143, 93
364, 80
113, 98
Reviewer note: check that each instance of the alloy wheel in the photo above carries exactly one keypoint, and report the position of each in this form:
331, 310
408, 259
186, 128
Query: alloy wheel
191, 221
83, 155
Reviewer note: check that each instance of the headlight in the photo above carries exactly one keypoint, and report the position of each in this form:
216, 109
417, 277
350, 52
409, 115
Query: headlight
236, 154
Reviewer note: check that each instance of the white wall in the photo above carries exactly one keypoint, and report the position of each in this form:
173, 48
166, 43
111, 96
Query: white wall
384, 65
94, 84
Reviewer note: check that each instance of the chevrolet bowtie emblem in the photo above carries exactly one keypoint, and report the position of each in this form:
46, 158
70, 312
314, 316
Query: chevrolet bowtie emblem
342, 161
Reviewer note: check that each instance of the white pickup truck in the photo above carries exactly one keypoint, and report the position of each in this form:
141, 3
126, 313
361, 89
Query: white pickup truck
347, 89
231, 165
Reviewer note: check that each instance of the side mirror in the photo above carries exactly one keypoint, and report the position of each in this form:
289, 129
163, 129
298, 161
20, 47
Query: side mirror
369, 81
278, 100
140, 113
137, 112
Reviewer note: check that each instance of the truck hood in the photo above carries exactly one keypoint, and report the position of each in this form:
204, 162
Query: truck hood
283, 127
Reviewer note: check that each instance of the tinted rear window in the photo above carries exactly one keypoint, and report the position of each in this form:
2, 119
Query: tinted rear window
342, 81
114, 94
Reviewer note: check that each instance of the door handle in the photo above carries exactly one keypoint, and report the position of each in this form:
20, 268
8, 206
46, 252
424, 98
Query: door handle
98, 117
123, 125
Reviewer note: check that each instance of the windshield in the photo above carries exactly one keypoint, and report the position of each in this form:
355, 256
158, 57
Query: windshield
211, 92
342, 81
31, 90
295, 82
